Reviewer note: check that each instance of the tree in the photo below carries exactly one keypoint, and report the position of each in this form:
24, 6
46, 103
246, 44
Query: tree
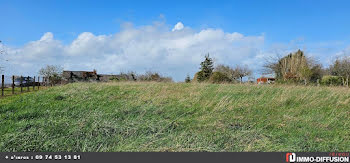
317, 73
206, 69
341, 67
305, 73
188, 79
335, 68
242, 71
219, 77
295, 67
226, 70
53, 72
272, 66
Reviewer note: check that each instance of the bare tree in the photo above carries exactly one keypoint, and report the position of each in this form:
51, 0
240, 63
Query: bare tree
242, 71
272, 65
51, 70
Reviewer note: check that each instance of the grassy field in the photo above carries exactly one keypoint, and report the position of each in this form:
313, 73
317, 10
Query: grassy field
176, 117
8, 90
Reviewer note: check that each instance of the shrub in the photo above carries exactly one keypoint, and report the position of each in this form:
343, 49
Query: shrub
148, 76
219, 77
153, 76
227, 70
332, 80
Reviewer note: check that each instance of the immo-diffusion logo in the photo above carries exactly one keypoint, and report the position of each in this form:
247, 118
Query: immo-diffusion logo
290, 157
340, 157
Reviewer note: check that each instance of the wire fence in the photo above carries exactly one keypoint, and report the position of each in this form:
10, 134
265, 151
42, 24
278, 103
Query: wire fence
11, 85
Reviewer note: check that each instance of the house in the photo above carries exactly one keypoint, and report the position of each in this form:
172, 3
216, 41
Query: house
79, 76
86, 76
264, 80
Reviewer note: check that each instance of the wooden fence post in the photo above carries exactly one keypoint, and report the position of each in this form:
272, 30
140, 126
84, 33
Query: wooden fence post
34, 83
2, 84
13, 84
21, 83
27, 84
38, 82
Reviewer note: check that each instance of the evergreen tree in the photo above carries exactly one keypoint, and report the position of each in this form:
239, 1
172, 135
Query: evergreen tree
206, 69
188, 79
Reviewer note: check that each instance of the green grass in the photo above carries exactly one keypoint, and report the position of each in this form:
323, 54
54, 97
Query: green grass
176, 117
8, 90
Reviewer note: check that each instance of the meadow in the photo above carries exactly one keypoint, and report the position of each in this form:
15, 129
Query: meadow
17, 90
147, 116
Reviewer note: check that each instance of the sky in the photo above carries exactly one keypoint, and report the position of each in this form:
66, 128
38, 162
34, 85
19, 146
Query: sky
169, 37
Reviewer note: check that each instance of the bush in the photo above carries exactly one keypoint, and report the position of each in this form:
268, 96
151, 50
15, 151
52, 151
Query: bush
332, 80
153, 76
219, 77
148, 76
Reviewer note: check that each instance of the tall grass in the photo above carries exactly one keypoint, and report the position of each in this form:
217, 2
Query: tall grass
150, 116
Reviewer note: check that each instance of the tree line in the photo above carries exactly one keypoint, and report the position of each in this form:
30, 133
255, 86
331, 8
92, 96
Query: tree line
300, 69
294, 68
219, 74
54, 73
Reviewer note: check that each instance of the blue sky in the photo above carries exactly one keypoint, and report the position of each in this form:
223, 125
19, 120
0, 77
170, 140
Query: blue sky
321, 28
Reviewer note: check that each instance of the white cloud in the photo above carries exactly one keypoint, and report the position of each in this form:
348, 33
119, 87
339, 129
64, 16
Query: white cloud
153, 47
178, 26
48, 36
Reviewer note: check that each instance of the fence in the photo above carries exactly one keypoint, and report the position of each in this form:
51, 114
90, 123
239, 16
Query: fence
20, 84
